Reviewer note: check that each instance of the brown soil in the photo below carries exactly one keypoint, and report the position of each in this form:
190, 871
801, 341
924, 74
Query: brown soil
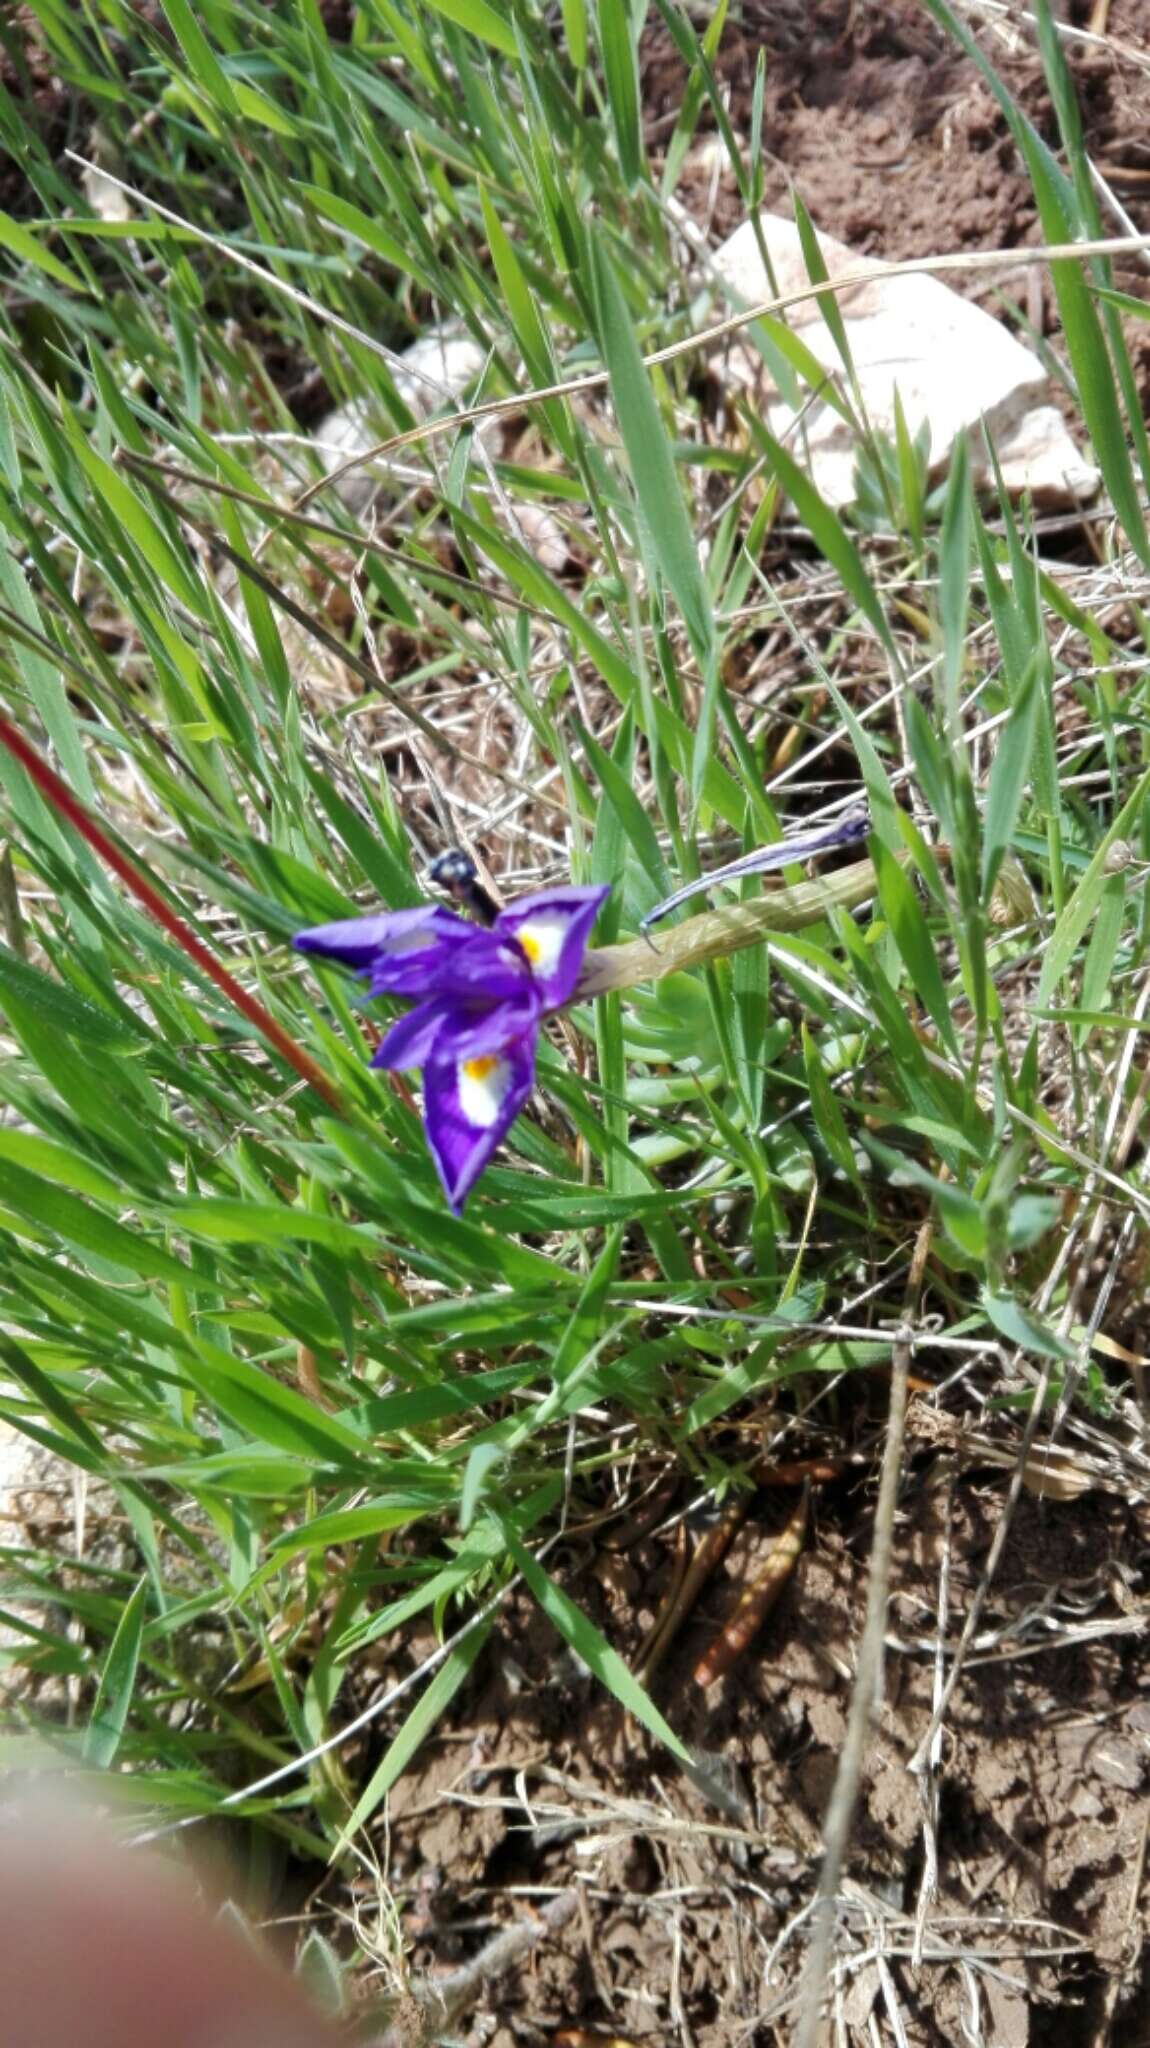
895, 144
684, 1927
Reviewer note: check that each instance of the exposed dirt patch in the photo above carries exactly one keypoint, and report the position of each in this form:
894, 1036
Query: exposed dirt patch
684, 1922
895, 143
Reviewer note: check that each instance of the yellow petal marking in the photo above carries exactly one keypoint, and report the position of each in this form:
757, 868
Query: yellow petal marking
483, 1085
542, 940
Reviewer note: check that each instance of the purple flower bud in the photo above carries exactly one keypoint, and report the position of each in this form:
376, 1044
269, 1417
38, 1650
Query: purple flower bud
801, 845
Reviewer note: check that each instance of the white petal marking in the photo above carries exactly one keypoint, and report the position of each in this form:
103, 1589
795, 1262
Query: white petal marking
483, 1085
542, 940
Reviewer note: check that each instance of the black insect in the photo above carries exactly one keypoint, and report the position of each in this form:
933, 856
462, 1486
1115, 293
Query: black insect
455, 873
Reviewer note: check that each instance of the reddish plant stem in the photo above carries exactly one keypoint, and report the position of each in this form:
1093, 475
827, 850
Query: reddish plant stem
62, 800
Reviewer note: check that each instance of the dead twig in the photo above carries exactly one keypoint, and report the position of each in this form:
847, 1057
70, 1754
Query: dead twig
868, 1678
433, 2006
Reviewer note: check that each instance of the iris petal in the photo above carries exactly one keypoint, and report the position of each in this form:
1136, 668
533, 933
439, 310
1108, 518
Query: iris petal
405, 951
479, 998
552, 929
458, 1030
412, 1037
469, 1105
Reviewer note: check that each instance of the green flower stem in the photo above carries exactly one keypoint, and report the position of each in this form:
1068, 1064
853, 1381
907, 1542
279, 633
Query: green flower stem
719, 932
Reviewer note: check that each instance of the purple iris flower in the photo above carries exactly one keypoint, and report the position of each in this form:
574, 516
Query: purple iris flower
480, 998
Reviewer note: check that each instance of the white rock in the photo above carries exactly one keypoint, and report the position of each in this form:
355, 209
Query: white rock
429, 376
952, 365
37, 1494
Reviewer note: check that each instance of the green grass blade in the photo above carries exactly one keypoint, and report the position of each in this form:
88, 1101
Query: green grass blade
113, 1700
587, 1642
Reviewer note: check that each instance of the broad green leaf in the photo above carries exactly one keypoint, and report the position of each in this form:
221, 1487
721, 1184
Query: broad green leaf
1018, 1326
962, 1216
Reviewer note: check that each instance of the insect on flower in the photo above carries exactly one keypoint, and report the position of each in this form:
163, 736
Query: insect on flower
480, 997
800, 845
455, 873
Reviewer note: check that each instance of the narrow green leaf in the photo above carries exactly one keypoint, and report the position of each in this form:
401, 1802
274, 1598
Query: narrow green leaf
23, 244
480, 1460
904, 915
138, 524
829, 1119
1095, 374
1102, 949
633, 819
587, 1642
1009, 779
58, 1163
827, 302
652, 464
88, 1229
1082, 905
203, 64
481, 20
827, 531
415, 1730
954, 580
117, 1683
365, 228
621, 77
883, 808
272, 1412
56, 1006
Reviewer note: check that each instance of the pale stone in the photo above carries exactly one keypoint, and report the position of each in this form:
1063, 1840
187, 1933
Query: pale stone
429, 376
953, 366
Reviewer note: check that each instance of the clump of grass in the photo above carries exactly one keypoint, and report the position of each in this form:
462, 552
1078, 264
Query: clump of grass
320, 1405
